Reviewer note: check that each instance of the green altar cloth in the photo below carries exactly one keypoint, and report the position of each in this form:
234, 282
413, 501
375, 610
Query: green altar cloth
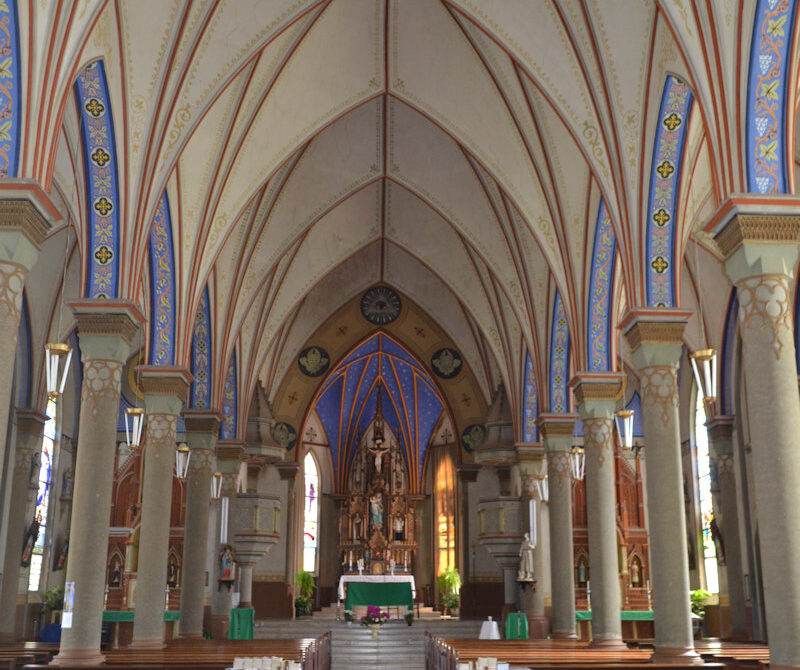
378, 593
625, 615
241, 623
127, 615
516, 626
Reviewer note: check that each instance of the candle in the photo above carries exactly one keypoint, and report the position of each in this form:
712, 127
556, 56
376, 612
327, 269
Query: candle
351, 557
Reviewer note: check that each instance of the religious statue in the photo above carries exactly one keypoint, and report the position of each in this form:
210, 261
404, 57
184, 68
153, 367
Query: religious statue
397, 527
227, 567
357, 526
716, 538
360, 564
376, 510
635, 572
392, 565
526, 559
31, 535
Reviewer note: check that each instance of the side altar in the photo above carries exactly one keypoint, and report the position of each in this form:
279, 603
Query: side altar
377, 529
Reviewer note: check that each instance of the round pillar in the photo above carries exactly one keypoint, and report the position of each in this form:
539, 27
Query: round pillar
596, 396
655, 337
105, 332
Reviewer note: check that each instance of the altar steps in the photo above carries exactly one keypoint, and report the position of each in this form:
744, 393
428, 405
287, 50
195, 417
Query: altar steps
399, 646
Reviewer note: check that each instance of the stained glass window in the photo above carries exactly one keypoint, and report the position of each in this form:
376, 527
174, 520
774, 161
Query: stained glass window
310, 514
704, 488
42, 497
444, 497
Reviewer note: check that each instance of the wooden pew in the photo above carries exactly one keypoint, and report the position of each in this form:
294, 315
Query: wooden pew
16, 655
313, 654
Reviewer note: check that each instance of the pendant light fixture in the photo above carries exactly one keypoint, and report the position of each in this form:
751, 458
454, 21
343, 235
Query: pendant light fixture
182, 457
624, 421
134, 422
704, 364
57, 357
216, 485
577, 461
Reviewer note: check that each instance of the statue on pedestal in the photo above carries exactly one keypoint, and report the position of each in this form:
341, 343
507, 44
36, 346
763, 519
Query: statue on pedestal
526, 559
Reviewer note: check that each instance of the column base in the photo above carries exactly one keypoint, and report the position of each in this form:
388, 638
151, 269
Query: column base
190, 637
246, 605
564, 635
86, 657
148, 643
539, 626
608, 643
678, 655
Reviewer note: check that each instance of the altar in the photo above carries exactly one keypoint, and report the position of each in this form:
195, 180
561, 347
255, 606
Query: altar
379, 590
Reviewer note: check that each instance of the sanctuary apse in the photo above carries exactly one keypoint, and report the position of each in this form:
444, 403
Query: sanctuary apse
254, 225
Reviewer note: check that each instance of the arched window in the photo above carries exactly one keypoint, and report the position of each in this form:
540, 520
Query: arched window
34, 546
310, 514
444, 497
704, 489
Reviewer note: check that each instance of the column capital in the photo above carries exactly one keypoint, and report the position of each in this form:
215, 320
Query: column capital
655, 336
202, 420
31, 422
757, 235
596, 393
106, 328
556, 426
26, 215
166, 388
720, 429
468, 472
229, 456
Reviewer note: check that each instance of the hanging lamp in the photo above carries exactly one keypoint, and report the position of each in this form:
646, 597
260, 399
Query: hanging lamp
57, 357
704, 364
182, 457
577, 461
134, 422
216, 486
624, 421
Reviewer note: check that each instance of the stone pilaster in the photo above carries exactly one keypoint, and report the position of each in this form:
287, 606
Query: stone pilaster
165, 392
655, 340
758, 237
596, 394
106, 330
25, 218
557, 430
24, 483
720, 434
202, 428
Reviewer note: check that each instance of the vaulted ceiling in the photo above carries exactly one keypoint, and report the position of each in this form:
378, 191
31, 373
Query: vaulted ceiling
457, 150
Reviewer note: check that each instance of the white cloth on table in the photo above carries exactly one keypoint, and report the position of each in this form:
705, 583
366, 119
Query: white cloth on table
489, 631
376, 579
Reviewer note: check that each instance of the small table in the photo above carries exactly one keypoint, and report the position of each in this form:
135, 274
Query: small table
489, 631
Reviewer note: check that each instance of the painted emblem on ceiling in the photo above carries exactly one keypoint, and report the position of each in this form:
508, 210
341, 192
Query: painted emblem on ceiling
313, 361
380, 305
446, 363
284, 435
472, 437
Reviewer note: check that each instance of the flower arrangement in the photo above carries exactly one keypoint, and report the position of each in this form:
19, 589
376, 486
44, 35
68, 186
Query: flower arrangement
374, 616
348, 615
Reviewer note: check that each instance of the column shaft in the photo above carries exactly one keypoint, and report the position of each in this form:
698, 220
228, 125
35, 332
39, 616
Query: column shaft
201, 430
596, 395
23, 482
105, 338
246, 585
557, 433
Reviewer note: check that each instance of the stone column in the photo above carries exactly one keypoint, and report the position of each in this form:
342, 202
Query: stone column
557, 430
229, 455
596, 395
289, 473
165, 391
105, 331
655, 338
24, 484
720, 433
25, 216
758, 238
202, 428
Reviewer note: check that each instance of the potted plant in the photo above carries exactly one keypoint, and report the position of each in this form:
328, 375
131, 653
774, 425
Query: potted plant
374, 619
697, 601
409, 617
52, 602
348, 616
449, 583
305, 585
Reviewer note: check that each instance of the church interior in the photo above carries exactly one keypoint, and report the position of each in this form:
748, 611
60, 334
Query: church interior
483, 312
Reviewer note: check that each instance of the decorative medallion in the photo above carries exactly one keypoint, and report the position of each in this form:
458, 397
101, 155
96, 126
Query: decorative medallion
473, 436
446, 363
313, 361
284, 435
380, 305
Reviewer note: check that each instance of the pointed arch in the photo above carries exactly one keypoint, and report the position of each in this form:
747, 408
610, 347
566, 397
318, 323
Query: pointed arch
598, 343
230, 392
530, 403
102, 186
559, 358
162, 287
665, 179
769, 153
